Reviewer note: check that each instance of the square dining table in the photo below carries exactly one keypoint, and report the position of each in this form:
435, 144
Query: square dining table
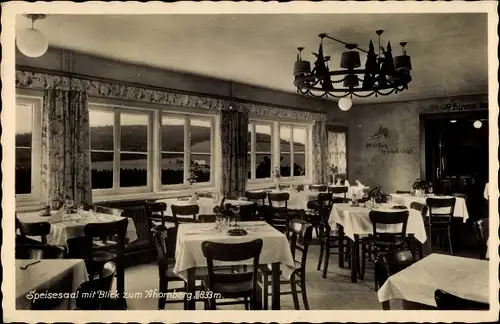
463, 277
73, 225
189, 256
53, 276
355, 221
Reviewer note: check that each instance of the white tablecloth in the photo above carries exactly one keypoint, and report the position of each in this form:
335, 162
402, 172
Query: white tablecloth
188, 253
60, 232
47, 275
206, 204
464, 277
407, 199
356, 220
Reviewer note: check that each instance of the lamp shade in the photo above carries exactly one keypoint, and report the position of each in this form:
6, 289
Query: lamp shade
32, 42
301, 68
345, 104
350, 60
402, 62
351, 81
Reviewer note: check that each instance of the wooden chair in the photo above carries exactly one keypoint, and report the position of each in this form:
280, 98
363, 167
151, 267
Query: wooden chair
331, 239
481, 229
318, 187
88, 293
40, 251
41, 229
447, 301
382, 243
390, 264
300, 239
184, 210
277, 215
156, 212
338, 190
105, 250
403, 192
232, 285
440, 223
312, 215
423, 211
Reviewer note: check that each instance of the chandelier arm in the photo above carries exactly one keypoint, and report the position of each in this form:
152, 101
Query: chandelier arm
387, 93
363, 96
338, 96
342, 42
317, 96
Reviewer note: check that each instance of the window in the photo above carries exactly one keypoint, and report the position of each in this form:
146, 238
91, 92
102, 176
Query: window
293, 141
337, 152
260, 150
119, 143
27, 147
186, 149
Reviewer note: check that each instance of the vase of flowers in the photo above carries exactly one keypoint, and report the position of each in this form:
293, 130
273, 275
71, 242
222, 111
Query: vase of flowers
277, 176
374, 194
421, 187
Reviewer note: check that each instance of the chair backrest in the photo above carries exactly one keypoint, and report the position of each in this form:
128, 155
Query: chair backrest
481, 229
318, 187
107, 210
247, 212
89, 292
447, 301
40, 251
391, 263
447, 205
338, 190
232, 252
325, 199
105, 230
422, 208
41, 229
278, 197
259, 197
389, 218
156, 210
207, 218
165, 242
402, 192
184, 210
300, 236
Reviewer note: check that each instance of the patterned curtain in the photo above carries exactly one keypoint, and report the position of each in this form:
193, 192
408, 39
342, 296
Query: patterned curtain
234, 140
320, 153
65, 146
337, 149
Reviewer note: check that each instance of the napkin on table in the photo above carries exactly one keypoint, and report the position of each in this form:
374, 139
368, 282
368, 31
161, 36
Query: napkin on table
57, 216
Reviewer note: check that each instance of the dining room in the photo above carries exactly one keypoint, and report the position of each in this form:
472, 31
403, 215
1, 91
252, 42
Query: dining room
253, 162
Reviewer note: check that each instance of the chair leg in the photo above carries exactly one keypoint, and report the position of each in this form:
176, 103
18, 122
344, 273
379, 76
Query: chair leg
295, 296
246, 303
421, 250
163, 289
362, 269
327, 256
449, 241
265, 289
320, 259
304, 292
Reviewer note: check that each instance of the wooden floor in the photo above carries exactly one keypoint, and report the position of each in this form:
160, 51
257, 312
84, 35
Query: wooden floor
336, 292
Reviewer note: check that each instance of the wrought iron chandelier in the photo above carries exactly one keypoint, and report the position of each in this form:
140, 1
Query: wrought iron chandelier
382, 75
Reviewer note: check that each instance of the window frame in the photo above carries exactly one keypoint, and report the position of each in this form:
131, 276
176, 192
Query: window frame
307, 150
253, 153
187, 149
117, 111
36, 103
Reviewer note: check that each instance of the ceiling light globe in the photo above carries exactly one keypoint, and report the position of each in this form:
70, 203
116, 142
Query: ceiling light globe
477, 124
345, 104
32, 42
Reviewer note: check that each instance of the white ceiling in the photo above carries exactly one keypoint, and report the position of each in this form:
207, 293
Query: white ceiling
449, 51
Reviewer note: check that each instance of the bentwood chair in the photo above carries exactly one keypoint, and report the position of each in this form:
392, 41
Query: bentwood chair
88, 293
423, 209
481, 228
165, 243
156, 213
277, 213
259, 197
318, 187
40, 251
381, 243
40, 229
104, 250
188, 213
338, 191
300, 239
440, 219
234, 285
447, 301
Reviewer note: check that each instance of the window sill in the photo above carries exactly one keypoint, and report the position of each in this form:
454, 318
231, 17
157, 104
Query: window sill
266, 183
99, 197
24, 206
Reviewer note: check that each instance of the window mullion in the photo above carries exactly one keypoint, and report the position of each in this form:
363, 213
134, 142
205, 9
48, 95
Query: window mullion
116, 156
253, 149
187, 148
292, 165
